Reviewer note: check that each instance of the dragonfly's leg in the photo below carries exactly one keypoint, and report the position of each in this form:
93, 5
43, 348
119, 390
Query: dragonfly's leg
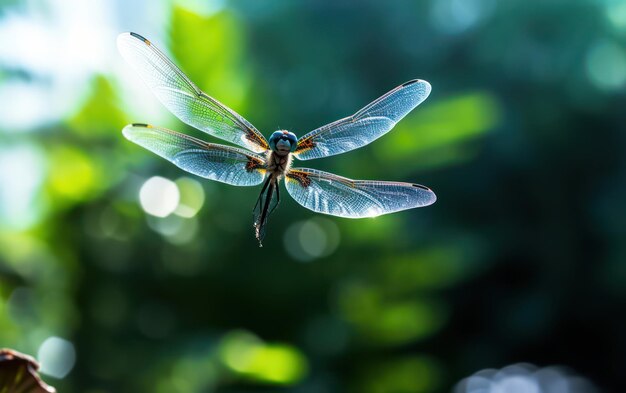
259, 201
277, 198
262, 220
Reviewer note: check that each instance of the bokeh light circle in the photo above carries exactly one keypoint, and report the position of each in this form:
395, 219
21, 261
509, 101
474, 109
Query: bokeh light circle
606, 65
311, 239
57, 357
159, 196
524, 378
191, 197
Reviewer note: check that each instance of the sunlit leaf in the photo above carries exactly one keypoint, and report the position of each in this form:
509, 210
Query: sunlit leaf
209, 49
251, 358
73, 175
384, 321
430, 269
101, 115
440, 127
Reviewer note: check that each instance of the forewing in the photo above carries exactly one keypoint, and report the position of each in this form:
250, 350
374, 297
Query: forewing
225, 164
183, 98
327, 193
365, 126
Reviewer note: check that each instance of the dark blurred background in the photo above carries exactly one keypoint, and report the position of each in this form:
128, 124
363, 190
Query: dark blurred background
121, 273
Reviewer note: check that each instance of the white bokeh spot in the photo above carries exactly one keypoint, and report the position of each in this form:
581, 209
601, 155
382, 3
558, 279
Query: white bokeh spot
56, 357
159, 196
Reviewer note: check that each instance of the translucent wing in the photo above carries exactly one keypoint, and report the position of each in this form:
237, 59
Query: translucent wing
365, 126
327, 193
225, 164
183, 98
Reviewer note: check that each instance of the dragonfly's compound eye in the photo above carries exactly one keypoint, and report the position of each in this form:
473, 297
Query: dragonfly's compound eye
283, 141
293, 140
276, 135
274, 138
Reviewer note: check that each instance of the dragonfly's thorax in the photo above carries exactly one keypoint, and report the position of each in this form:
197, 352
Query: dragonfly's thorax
278, 164
282, 144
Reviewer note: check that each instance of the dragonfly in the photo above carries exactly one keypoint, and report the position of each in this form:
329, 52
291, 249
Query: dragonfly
257, 160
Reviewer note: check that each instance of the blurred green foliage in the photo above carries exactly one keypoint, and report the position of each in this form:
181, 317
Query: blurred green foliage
521, 258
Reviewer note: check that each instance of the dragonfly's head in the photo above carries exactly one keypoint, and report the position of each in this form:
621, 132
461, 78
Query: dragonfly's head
283, 142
